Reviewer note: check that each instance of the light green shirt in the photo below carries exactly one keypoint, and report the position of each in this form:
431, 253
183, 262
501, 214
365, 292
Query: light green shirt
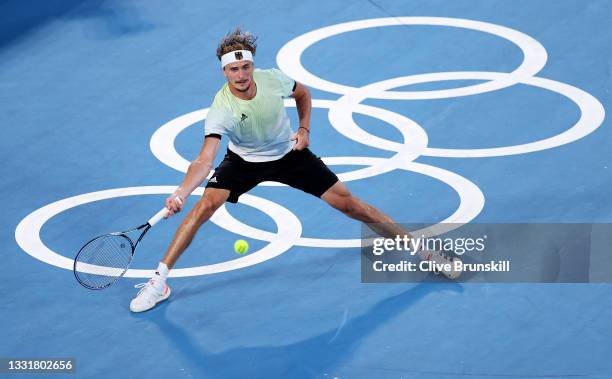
258, 129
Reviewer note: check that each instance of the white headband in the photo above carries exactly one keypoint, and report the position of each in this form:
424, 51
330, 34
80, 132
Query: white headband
236, 56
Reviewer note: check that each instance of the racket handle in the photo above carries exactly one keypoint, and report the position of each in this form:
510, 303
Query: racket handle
162, 213
158, 216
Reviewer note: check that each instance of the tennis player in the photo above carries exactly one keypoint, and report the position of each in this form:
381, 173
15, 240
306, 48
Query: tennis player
249, 110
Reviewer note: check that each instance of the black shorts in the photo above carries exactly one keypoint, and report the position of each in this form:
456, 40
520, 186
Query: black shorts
298, 169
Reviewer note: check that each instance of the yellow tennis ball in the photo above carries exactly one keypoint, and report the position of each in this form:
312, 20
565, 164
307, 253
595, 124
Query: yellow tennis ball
241, 246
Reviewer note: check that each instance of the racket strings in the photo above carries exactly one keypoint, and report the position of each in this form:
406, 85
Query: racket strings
103, 260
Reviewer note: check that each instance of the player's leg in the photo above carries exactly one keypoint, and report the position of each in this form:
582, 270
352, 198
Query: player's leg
156, 289
339, 197
212, 199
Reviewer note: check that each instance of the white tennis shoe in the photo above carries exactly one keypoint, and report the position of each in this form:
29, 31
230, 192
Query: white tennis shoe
442, 263
148, 296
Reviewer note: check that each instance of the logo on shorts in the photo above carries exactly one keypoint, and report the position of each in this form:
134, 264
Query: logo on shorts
213, 180
238, 55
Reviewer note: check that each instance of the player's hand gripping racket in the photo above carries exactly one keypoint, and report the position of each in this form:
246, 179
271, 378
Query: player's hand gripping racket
106, 258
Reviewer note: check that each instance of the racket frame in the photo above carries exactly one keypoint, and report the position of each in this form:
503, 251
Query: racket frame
133, 246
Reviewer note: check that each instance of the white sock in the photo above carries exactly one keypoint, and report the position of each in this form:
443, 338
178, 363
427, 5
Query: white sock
161, 274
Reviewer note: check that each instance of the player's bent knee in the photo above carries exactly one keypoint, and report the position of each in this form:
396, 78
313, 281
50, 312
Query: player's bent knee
204, 209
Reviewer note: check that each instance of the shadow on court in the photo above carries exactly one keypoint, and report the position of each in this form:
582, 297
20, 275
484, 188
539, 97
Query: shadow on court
311, 357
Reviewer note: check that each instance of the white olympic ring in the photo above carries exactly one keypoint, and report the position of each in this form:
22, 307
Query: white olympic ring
534, 56
592, 114
289, 227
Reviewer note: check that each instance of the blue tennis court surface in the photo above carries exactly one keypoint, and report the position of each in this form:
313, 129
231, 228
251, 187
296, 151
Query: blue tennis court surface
433, 111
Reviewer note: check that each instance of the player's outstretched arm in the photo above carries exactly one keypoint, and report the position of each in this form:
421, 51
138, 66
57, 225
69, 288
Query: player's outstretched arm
196, 173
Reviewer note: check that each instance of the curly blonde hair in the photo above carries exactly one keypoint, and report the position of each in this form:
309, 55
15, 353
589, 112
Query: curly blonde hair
237, 40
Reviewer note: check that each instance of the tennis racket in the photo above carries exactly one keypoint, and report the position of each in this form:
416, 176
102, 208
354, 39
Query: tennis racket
106, 258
